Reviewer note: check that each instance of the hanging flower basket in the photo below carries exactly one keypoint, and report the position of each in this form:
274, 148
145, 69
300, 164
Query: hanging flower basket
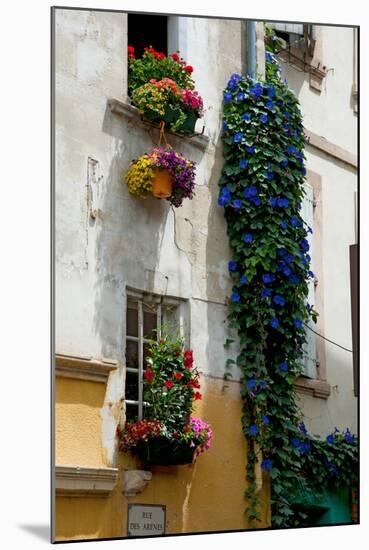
163, 173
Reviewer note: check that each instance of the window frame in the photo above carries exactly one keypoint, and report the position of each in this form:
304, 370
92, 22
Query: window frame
162, 305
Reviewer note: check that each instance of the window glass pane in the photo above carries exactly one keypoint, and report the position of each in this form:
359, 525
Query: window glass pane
132, 386
131, 413
132, 354
149, 322
132, 322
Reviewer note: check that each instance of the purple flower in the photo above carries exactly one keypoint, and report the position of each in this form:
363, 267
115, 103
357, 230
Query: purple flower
267, 464
232, 266
274, 323
247, 238
254, 430
279, 300
283, 366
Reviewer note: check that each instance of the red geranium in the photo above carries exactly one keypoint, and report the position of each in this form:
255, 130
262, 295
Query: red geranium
149, 375
188, 68
197, 395
169, 384
131, 52
175, 56
193, 384
188, 358
178, 375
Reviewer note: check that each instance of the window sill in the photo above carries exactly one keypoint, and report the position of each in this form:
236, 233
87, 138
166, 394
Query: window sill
131, 113
314, 388
83, 368
77, 481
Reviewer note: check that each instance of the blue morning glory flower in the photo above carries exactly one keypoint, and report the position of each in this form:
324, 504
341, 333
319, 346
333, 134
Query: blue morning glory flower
302, 428
256, 91
244, 163
243, 280
250, 150
237, 137
225, 125
236, 77
250, 192
237, 204
247, 238
266, 292
270, 92
224, 197
291, 150
304, 245
270, 105
263, 118
251, 384
311, 274
288, 258
279, 300
265, 420
294, 279
232, 266
235, 297
246, 117
284, 163
349, 437
241, 96
227, 96
254, 430
256, 201
282, 202
297, 323
286, 271
274, 323
330, 439
268, 278
304, 447
281, 252
267, 464
295, 442
295, 221
269, 57
303, 171
272, 201
283, 225
283, 366
269, 175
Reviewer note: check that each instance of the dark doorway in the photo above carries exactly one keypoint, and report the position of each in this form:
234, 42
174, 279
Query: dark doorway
148, 30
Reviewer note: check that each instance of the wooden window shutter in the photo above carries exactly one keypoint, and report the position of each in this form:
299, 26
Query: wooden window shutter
354, 278
309, 348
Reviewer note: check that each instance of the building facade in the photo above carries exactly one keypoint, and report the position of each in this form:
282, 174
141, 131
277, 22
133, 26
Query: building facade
125, 265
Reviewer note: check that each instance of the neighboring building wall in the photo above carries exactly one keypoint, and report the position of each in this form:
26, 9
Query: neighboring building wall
329, 114
106, 240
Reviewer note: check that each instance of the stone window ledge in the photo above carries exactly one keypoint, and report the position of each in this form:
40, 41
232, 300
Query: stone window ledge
314, 388
135, 481
131, 113
83, 368
77, 481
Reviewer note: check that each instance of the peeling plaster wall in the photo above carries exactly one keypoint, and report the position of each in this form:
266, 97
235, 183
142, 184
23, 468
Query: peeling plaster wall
330, 114
106, 239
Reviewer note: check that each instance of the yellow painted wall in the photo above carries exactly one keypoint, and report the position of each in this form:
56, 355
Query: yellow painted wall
205, 496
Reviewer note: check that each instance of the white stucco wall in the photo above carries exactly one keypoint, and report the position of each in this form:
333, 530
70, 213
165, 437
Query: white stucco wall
330, 115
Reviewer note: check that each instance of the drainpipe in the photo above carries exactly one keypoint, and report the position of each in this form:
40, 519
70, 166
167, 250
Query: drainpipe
251, 48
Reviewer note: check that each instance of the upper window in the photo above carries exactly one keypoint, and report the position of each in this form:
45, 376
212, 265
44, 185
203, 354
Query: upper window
147, 315
148, 30
296, 35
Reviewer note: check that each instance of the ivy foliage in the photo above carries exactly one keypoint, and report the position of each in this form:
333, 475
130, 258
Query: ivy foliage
261, 190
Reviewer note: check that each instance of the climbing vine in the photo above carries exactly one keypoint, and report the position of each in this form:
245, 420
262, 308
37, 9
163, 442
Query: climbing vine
261, 190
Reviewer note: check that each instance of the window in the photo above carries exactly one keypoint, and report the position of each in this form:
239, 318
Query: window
297, 35
147, 30
147, 314
309, 348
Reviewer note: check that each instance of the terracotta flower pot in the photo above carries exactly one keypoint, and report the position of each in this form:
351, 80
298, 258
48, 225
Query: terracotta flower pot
162, 184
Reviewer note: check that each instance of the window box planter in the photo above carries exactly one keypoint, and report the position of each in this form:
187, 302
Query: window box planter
165, 452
